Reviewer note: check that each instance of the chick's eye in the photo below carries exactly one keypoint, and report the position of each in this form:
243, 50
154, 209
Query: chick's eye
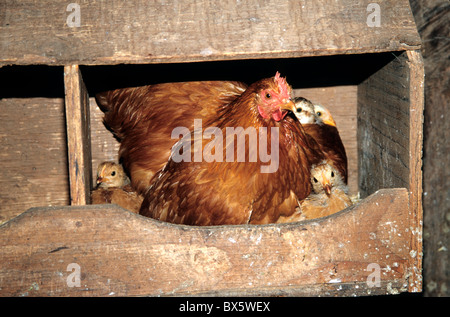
299, 109
332, 174
315, 180
268, 96
319, 114
113, 173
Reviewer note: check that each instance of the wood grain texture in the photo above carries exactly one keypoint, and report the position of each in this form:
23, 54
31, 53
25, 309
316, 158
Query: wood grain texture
78, 136
384, 128
33, 155
433, 22
137, 31
342, 102
390, 136
123, 254
416, 88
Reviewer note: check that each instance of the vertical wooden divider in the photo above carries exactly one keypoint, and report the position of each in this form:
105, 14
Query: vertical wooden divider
417, 103
78, 135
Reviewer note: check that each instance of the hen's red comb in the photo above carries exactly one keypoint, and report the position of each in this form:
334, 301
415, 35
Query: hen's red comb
283, 85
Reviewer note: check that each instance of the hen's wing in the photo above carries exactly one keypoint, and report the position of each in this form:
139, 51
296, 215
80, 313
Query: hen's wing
186, 194
143, 118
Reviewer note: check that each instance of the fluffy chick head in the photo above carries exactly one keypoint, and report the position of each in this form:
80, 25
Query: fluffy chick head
325, 178
304, 110
111, 174
323, 115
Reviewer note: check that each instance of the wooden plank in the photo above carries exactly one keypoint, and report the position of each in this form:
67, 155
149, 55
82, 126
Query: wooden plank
342, 102
78, 136
110, 32
390, 136
384, 128
33, 155
417, 76
433, 22
118, 253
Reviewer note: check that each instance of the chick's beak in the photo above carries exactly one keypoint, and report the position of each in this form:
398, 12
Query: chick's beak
327, 188
100, 180
330, 122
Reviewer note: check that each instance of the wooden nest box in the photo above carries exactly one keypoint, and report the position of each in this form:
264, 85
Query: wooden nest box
361, 59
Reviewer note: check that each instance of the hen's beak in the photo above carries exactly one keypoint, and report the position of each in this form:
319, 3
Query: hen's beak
281, 112
288, 105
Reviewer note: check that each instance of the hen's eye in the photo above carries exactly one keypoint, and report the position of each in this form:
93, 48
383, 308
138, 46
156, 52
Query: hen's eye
299, 109
113, 173
315, 180
319, 113
268, 96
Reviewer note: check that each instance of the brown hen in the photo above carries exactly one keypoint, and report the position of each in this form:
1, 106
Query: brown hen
250, 188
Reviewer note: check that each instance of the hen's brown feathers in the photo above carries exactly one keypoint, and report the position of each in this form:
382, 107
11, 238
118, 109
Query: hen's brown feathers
144, 117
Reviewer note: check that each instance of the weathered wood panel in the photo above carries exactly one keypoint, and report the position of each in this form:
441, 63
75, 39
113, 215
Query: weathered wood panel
33, 155
34, 158
416, 97
78, 136
433, 22
390, 135
110, 32
342, 102
121, 253
384, 128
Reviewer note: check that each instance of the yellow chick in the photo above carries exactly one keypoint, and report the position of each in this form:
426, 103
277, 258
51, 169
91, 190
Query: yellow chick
329, 194
113, 187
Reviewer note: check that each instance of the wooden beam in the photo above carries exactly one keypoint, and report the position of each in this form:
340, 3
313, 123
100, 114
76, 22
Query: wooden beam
390, 137
111, 32
416, 89
433, 22
362, 250
78, 135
